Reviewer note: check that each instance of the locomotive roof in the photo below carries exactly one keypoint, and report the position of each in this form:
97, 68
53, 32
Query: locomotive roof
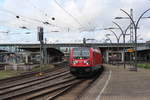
87, 47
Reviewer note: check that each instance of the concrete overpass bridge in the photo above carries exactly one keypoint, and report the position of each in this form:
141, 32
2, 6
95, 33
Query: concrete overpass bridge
55, 45
13, 47
105, 47
61, 46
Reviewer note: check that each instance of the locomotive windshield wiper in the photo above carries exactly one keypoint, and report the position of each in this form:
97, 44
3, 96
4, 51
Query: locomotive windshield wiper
81, 52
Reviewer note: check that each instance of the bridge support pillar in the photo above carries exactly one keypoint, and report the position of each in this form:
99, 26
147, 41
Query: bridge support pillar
26, 59
107, 56
122, 57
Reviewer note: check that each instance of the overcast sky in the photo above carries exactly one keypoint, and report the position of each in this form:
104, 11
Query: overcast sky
74, 19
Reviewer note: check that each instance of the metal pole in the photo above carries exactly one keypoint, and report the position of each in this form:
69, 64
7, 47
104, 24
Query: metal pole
131, 35
108, 46
84, 41
40, 38
109, 50
135, 29
122, 33
45, 54
131, 27
117, 38
124, 51
41, 55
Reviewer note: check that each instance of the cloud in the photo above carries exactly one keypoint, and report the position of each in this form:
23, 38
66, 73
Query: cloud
72, 14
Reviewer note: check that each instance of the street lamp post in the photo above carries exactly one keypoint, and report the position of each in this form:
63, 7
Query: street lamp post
117, 37
131, 26
108, 39
107, 54
123, 32
135, 24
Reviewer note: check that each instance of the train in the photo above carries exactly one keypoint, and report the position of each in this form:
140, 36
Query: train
85, 61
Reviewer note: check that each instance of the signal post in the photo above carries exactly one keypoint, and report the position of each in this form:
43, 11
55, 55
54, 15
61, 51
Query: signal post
40, 38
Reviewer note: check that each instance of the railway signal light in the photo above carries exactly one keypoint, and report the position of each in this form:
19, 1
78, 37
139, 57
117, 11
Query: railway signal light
40, 34
40, 38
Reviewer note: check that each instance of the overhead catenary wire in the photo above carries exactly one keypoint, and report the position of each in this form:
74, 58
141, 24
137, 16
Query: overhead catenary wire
68, 13
73, 16
88, 23
29, 19
20, 16
45, 14
25, 19
35, 7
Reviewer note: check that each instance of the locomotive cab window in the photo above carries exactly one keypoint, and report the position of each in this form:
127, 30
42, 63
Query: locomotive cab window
81, 53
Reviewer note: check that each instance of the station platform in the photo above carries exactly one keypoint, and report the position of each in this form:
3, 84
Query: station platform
118, 83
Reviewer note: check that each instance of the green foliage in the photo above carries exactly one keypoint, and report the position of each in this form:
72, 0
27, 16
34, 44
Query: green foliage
11, 73
44, 67
146, 66
8, 73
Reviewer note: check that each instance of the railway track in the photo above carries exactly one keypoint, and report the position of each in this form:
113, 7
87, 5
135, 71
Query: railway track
31, 79
20, 89
57, 85
73, 91
30, 74
54, 91
14, 87
77, 91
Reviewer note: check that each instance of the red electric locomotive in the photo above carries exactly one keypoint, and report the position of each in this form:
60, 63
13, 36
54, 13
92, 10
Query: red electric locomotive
85, 61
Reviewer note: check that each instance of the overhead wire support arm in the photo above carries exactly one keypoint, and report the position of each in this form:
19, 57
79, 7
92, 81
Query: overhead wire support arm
135, 24
124, 34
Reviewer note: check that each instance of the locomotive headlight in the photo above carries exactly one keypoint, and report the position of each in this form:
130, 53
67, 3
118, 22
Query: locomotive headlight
74, 62
86, 62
